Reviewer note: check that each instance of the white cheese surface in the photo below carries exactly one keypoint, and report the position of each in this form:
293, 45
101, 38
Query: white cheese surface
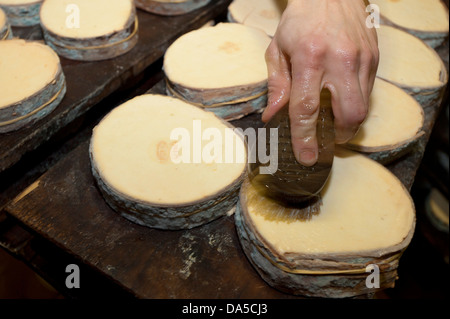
364, 208
25, 69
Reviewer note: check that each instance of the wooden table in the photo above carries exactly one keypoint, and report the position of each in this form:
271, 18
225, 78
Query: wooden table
61, 218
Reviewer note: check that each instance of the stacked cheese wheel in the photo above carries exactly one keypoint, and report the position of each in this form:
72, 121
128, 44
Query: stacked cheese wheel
151, 166
393, 124
409, 63
427, 20
170, 7
367, 219
5, 28
261, 14
90, 30
32, 83
221, 68
22, 13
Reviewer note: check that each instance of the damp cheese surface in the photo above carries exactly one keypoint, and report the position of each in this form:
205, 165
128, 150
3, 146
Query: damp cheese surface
429, 15
407, 60
25, 69
131, 149
97, 18
261, 14
365, 208
227, 55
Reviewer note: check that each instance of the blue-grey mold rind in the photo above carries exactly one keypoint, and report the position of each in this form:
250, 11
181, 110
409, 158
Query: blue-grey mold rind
79, 48
316, 285
233, 112
207, 98
168, 217
170, 8
5, 30
24, 15
32, 103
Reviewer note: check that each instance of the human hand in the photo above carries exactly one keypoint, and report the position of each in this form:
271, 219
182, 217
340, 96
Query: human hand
321, 44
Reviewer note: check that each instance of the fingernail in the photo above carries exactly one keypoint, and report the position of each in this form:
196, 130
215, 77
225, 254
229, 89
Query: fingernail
307, 158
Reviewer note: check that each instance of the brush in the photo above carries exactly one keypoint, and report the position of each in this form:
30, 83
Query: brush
294, 185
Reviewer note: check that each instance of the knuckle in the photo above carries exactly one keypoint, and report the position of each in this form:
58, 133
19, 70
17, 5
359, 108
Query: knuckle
357, 117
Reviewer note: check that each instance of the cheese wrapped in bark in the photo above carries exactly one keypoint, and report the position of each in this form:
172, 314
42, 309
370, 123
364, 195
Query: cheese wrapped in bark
90, 30
22, 13
367, 219
221, 68
143, 172
409, 63
32, 83
427, 20
393, 125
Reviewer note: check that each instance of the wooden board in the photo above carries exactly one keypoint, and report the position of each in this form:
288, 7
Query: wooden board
89, 82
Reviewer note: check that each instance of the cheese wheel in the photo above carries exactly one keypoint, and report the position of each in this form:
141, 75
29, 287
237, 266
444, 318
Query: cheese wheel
32, 83
132, 160
427, 20
261, 14
220, 68
393, 124
170, 7
22, 13
408, 62
5, 28
367, 217
90, 30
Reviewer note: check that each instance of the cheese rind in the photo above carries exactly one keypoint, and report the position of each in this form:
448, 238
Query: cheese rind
428, 20
25, 68
33, 83
93, 36
131, 157
367, 217
221, 68
365, 208
409, 63
393, 124
22, 13
5, 28
226, 55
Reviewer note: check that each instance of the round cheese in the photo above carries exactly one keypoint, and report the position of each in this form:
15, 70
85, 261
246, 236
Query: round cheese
133, 154
261, 14
32, 83
365, 208
25, 69
96, 18
406, 60
426, 19
22, 13
394, 122
226, 55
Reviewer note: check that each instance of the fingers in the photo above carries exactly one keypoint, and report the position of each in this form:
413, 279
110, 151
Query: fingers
304, 110
279, 81
349, 107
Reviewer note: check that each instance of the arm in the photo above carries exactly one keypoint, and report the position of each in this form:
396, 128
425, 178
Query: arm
321, 44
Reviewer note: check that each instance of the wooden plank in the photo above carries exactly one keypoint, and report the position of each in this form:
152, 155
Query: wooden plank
90, 82
65, 207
